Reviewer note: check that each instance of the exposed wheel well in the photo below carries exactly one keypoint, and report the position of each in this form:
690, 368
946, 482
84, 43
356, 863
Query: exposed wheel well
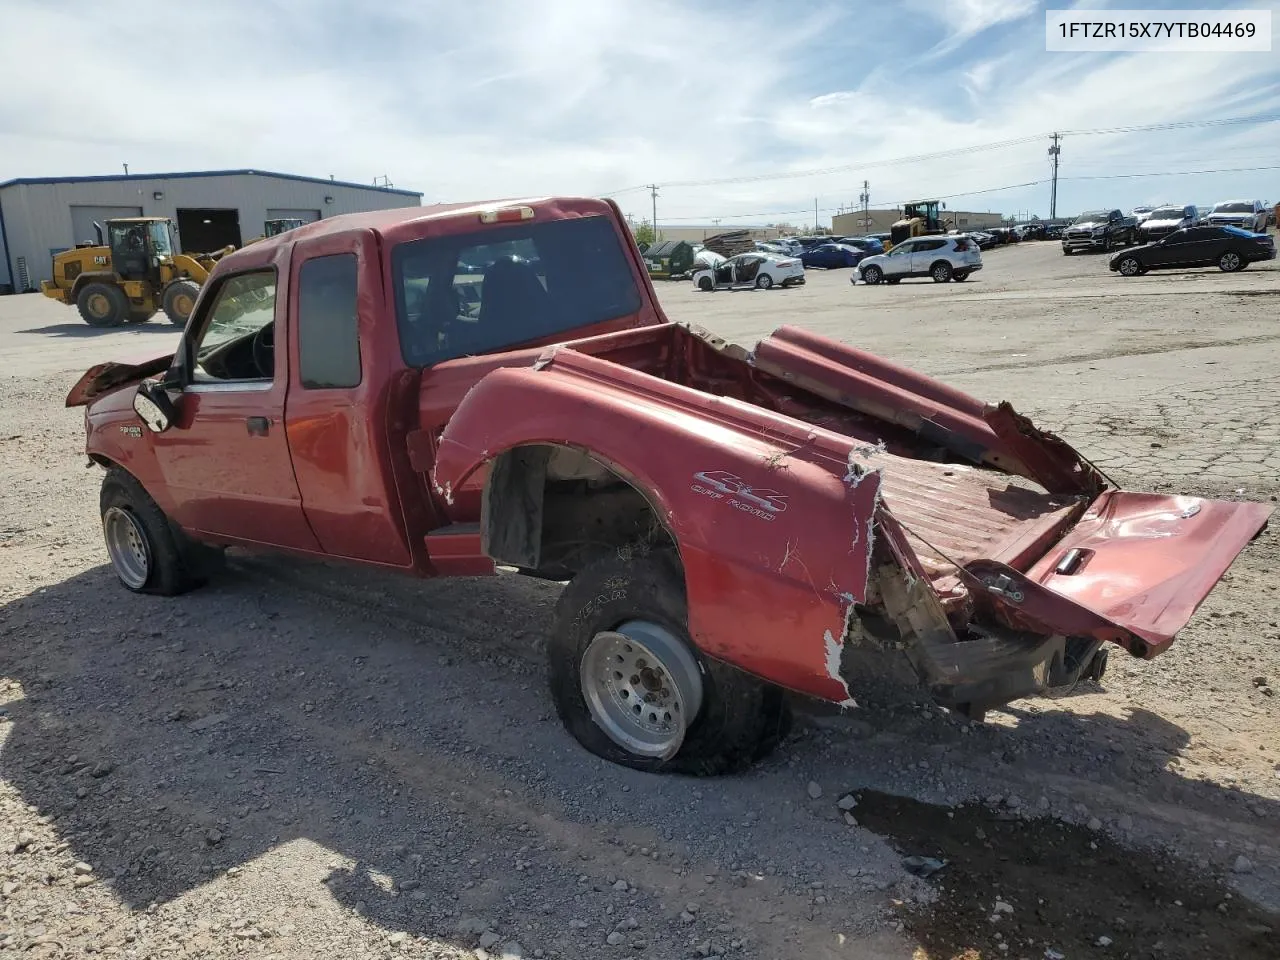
550, 510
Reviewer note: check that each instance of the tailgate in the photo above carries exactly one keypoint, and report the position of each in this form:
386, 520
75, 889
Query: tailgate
1145, 562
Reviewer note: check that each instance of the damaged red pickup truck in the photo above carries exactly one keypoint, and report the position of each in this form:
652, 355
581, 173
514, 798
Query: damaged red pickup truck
446, 390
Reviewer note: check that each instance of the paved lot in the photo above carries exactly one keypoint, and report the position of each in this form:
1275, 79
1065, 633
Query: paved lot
302, 762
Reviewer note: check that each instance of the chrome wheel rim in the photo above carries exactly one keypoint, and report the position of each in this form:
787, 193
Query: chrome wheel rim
642, 687
127, 545
1230, 261
940, 273
1129, 267
764, 283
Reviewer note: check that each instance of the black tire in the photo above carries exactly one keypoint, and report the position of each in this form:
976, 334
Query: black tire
892, 279
1066, 252
1107, 244
741, 718
960, 276
872, 274
1230, 262
102, 305
176, 564
179, 298
940, 272
764, 282
704, 283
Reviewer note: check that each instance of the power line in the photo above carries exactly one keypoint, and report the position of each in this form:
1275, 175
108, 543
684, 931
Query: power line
958, 151
1002, 189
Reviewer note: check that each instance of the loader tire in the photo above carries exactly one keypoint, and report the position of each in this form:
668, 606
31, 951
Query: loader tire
179, 299
102, 305
148, 553
637, 594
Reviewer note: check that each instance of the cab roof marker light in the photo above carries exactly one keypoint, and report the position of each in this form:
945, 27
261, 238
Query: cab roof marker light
506, 214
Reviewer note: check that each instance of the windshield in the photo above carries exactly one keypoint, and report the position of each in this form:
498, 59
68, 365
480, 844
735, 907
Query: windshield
506, 286
1092, 215
160, 240
1167, 213
1233, 208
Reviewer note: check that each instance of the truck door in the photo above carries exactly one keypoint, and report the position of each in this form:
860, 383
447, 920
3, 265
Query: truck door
226, 460
338, 409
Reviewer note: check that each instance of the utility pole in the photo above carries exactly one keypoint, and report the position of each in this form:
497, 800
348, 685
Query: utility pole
653, 192
126, 169
1054, 150
815, 215
864, 198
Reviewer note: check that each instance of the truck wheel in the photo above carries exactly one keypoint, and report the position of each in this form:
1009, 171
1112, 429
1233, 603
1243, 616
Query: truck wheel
630, 686
102, 305
704, 283
179, 299
147, 553
940, 271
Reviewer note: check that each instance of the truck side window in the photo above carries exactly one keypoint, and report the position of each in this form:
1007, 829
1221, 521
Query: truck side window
328, 338
238, 339
497, 288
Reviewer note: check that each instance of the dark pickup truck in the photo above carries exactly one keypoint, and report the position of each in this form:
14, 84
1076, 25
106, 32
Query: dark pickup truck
1099, 230
445, 391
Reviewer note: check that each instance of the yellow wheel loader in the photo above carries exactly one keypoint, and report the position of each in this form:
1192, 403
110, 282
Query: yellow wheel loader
272, 228
919, 219
130, 275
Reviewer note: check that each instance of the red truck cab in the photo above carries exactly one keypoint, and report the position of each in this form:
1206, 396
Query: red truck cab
442, 390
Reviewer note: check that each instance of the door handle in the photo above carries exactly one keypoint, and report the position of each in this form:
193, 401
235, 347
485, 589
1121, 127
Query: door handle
257, 426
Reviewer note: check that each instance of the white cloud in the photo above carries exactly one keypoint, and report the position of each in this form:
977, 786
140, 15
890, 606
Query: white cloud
965, 19
503, 98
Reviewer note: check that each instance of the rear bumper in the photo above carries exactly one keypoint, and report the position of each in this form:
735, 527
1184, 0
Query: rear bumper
793, 281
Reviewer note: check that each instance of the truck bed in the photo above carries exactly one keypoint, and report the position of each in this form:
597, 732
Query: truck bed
950, 508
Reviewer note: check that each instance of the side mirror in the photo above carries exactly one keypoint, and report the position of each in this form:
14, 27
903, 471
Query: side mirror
153, 404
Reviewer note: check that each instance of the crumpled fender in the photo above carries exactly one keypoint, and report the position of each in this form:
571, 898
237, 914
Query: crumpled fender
774, 529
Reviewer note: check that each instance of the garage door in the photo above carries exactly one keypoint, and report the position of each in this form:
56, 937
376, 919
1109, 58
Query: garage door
82, 218
279, 213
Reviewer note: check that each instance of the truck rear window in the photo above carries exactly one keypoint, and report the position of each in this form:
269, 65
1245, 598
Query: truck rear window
501, 287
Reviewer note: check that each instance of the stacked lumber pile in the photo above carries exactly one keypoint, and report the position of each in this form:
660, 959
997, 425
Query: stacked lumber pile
730, 244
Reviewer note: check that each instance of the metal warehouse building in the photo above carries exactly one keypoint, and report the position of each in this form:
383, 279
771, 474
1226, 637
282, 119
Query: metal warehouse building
41, 216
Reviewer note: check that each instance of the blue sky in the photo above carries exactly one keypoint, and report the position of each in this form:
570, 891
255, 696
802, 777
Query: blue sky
501, 98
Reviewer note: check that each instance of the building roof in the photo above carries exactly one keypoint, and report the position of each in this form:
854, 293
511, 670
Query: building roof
23, 181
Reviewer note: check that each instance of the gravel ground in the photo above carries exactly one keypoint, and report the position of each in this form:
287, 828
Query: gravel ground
304, 761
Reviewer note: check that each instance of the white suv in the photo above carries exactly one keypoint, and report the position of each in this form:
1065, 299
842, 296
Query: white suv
942, 258
1246, 214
